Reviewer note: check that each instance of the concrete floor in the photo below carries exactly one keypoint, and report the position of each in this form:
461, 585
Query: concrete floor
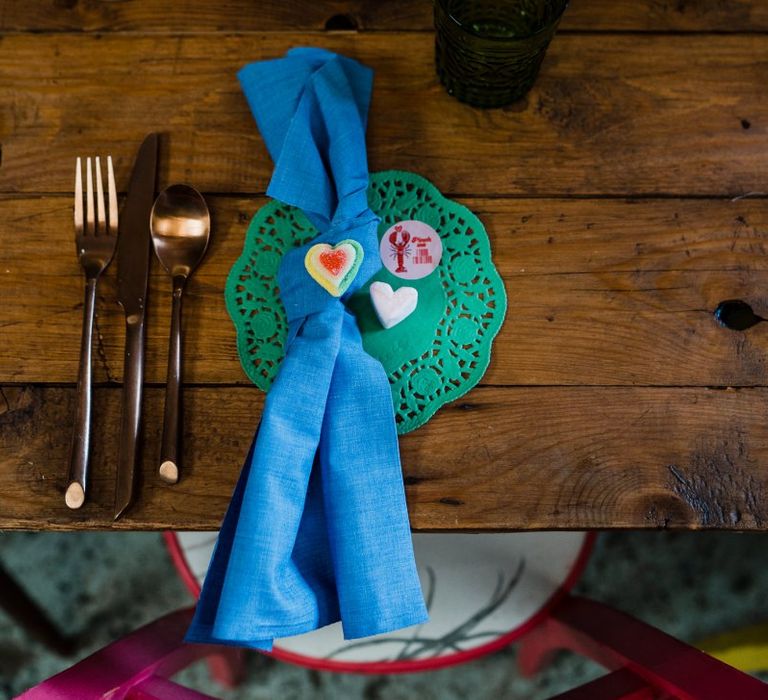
101, 585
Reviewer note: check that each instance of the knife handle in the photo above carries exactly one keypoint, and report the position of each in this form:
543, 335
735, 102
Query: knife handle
170, 450
81, 435
127, 455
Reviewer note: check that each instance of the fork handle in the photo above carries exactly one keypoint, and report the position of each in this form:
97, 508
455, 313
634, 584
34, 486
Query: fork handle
171, 443
81, 435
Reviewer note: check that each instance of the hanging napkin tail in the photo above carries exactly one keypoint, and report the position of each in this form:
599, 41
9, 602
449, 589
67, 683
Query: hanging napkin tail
201, 629
270, 575
315, 569
378, 585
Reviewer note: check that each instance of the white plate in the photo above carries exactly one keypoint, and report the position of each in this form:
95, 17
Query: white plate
483, 592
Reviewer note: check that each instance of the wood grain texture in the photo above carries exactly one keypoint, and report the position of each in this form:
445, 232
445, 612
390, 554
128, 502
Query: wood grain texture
520, 459
246, 15
630, 115
606, 193
600, 292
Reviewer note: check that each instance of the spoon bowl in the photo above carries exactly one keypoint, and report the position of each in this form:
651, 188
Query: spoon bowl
181, 227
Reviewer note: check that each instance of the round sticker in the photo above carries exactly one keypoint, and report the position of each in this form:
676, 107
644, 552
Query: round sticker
411, 249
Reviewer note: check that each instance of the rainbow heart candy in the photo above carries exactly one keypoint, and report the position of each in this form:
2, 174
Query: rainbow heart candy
334, 267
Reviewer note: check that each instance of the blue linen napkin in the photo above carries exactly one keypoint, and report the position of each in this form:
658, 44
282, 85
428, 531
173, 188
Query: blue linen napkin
317, 529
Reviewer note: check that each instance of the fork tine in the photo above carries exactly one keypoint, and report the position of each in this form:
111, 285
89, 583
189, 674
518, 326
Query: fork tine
101, 217
78, 196
90, 224
112, 190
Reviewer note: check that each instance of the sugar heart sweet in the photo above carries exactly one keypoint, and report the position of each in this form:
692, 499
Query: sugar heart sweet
334, 267
393, 306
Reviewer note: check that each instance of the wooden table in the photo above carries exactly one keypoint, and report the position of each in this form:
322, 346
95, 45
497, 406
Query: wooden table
625, 198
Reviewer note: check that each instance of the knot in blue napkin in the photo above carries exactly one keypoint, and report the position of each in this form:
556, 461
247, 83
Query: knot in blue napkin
317, 530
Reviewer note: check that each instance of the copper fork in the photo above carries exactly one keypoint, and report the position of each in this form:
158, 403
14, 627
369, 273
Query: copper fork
95, 237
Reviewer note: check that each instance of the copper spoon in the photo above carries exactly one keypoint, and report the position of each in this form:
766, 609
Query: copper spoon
181, 227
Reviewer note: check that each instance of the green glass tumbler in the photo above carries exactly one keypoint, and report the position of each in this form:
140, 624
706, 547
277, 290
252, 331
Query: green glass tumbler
488, 53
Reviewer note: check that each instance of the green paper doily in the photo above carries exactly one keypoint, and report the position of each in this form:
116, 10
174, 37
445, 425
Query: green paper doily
435, 355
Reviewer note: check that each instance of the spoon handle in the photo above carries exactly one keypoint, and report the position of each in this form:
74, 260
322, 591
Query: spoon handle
170, 451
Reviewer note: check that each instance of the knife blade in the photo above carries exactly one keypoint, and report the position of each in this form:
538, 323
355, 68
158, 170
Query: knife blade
133, 258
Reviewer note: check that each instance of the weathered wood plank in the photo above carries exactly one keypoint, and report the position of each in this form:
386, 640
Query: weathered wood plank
600, 292
520, 459
633, 114
407, 15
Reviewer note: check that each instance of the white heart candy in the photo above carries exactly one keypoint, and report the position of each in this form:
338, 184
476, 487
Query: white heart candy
392, 307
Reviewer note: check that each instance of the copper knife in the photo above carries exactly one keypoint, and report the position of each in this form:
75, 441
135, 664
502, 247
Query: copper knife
133, 258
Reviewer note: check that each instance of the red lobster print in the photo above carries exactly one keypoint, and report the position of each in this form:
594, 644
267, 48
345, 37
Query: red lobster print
401, 249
